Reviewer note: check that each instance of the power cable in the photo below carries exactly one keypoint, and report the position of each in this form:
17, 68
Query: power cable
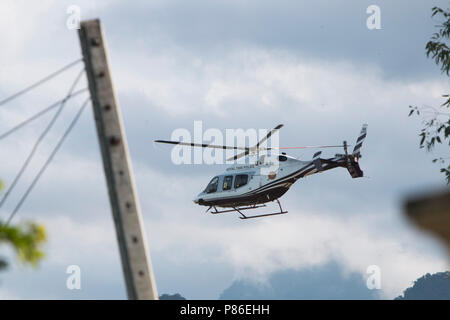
41, 137
40, 113
41, 171
34, 85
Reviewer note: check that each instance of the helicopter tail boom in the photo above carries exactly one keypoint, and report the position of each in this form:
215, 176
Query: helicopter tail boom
348, 162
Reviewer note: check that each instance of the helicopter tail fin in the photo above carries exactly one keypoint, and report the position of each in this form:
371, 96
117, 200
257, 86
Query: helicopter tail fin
357, 150
352, 160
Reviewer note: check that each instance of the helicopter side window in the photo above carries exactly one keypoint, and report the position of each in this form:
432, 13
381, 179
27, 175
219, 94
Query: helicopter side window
227, 183
241, 180
212, 186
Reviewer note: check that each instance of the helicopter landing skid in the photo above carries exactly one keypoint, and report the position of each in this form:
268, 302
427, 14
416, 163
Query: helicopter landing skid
243, 216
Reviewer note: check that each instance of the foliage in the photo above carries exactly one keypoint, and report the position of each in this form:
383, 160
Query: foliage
26, 239
437, 126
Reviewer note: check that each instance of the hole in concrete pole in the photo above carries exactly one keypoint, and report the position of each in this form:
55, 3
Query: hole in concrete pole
95, 42
114, 140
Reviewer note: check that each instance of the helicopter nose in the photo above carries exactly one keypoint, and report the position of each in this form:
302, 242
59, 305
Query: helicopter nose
196, 199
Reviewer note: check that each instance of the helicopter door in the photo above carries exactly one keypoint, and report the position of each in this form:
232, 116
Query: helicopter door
227, 183
241, 180
212, 186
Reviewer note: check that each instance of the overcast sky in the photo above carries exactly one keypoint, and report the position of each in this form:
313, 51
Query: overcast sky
312, 65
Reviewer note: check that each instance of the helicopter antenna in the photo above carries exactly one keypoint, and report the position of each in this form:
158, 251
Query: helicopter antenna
345, 148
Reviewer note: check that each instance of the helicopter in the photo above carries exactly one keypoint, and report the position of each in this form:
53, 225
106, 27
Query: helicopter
244, 187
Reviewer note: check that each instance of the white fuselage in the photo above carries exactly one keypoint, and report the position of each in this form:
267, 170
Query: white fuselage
265, 181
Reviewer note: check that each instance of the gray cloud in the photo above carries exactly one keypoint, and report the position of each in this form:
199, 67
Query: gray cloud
314, 67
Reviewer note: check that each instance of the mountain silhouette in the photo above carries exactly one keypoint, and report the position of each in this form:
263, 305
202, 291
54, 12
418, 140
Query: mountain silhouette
326, 282
429, 287
175, 296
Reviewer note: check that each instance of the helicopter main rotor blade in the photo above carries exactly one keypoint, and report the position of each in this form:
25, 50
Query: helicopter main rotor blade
239, 155
256, 147
246, 150
278, 127
202, 145
305, 147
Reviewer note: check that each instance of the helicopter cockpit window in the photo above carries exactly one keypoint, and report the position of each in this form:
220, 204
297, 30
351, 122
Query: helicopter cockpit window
282, 158
241, 180
227, 183
212, 186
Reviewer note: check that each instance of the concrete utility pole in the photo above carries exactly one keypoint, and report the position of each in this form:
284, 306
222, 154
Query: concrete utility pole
126, 212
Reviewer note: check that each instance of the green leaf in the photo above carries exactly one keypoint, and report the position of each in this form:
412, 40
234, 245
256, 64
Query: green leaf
26, 239
422, 140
